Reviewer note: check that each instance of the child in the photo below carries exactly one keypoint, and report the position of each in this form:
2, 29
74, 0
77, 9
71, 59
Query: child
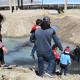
3, 49
65, 60
57, 57
34, 27
56, 54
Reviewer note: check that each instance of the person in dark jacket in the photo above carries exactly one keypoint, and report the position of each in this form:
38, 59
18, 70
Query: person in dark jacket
43, 37
77, 54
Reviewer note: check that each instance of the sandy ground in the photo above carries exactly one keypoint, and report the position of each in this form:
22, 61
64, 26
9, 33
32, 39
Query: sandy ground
20, 73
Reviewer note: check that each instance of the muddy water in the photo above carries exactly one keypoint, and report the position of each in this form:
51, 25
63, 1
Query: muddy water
21, 55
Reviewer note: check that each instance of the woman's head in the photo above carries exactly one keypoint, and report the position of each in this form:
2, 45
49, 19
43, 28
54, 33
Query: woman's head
1, 18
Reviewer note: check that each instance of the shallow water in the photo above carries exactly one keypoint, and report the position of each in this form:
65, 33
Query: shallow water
21, 55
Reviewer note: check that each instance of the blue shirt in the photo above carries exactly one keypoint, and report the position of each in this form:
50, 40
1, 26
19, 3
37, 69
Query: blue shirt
65, 59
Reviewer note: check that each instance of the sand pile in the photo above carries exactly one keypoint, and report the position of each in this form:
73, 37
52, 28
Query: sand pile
19, 23
69, 28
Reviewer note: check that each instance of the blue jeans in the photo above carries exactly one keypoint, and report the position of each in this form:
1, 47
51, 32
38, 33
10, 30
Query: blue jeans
46, 56
33, 50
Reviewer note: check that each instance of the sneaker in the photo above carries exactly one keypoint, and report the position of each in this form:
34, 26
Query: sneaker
49, 75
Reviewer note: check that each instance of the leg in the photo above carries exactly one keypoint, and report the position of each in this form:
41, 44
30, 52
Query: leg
0, 64
62, 69
52, 65
65, 69
1, 56
41, 65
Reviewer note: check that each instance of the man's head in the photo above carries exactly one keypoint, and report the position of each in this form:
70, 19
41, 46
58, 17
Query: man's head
47, 19
45, 23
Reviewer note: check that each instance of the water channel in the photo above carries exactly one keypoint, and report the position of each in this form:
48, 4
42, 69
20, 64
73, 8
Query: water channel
21, 55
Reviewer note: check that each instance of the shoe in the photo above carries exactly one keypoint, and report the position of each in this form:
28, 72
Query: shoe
49, 75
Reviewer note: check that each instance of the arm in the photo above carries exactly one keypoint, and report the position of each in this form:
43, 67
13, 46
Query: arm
32, 37
69, 60
5, 50
33, 51
57, 41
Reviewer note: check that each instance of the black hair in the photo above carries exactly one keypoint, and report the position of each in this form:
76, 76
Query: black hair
1, 18
45, 25
38, 22
46, 18
54, 46
67, 47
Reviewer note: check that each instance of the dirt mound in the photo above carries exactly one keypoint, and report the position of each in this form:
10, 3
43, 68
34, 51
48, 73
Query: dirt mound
69, 28
19, 24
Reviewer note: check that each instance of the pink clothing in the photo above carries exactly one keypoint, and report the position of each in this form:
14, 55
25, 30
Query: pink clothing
1, 44
34, 27
5, 50
67, 50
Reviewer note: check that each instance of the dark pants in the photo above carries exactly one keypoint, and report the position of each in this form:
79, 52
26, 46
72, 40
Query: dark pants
64, 69
46, 56
1, 56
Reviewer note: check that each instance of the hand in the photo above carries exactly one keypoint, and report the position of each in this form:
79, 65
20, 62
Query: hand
32, 56
5, 50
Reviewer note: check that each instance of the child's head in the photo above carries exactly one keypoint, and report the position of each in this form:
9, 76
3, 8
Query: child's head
54, 46
67, 50
77, 46
38, 22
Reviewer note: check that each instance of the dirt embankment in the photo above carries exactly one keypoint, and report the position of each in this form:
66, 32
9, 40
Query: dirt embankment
69, 28
19, 24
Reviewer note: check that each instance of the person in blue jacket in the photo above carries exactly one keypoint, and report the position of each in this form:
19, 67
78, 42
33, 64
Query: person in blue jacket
43, 37
65, 61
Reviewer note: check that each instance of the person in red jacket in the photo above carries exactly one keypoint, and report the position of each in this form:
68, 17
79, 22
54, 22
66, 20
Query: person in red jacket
57, 57
36, 26
56, 54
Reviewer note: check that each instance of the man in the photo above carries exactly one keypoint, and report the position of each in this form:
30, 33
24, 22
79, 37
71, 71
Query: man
43, 37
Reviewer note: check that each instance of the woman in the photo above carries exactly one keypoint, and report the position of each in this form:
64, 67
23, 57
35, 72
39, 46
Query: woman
3, 49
